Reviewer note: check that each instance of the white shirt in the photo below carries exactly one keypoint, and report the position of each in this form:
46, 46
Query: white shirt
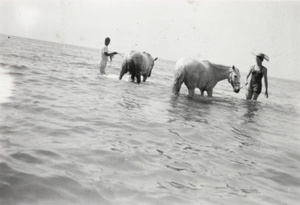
103, 56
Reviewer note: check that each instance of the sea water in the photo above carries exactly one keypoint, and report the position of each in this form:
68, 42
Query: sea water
69, 135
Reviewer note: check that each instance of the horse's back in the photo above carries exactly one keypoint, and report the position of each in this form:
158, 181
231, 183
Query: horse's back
191, 63
192, 66
184, 62
196, 73
132, 54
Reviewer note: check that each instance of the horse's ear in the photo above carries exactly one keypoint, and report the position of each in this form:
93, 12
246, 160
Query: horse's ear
233, 67
155, 58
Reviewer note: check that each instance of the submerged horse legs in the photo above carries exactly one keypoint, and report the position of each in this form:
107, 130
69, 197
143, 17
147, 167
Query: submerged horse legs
209, 92
144, 78
138, 75
191, 92
138, 78
132, 77
202, 92
191, 89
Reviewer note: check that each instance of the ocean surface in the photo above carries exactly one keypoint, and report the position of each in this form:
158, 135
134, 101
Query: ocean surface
71, 136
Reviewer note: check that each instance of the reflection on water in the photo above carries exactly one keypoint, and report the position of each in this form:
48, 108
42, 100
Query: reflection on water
189, 109
6, 85
250, 111
251, 108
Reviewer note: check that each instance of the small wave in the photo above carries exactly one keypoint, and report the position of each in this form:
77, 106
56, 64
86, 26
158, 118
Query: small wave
43, 187
80, 64
69, 55
12, 55
15, 73
21, 67
35, 58
47, 153
3, 64
27, 158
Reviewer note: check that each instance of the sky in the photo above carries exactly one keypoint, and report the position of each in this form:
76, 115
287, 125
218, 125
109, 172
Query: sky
224, 32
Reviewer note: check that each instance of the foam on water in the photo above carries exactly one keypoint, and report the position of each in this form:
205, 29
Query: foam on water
115, 77
6, 85
112, 76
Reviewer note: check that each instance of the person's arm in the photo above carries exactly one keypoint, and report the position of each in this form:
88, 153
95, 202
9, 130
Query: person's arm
266, 82
249, 73
110, 54
105, 52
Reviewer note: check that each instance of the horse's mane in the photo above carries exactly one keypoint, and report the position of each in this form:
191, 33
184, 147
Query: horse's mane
217, 66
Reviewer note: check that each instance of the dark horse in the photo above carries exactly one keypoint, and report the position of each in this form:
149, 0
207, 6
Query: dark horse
137, 64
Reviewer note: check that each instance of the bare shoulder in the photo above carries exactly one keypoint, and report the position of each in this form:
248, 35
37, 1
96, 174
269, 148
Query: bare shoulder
251, 69
264, 70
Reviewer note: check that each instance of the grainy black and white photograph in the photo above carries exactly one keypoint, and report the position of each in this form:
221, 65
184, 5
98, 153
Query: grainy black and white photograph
149, 102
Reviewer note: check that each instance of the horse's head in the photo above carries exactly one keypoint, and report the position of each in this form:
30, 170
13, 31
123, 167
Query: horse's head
151, 62
234, 78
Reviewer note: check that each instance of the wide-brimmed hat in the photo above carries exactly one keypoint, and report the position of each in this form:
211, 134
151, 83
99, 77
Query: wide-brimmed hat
261, 55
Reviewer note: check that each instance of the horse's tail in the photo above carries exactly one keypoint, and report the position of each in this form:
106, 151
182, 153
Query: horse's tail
178, 79
127, 65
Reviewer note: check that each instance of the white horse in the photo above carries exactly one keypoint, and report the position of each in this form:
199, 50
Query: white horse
137, 63
203, 75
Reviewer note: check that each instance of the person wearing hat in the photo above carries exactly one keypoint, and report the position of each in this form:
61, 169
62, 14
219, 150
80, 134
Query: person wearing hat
257, 72
105, 55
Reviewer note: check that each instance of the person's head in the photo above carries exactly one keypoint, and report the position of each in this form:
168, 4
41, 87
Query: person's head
260, 57
107, 41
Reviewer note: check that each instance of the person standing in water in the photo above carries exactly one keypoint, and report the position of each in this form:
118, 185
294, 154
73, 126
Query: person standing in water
257, 72
105, 55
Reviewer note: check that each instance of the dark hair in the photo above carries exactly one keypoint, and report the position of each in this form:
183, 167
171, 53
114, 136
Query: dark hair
260, 57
